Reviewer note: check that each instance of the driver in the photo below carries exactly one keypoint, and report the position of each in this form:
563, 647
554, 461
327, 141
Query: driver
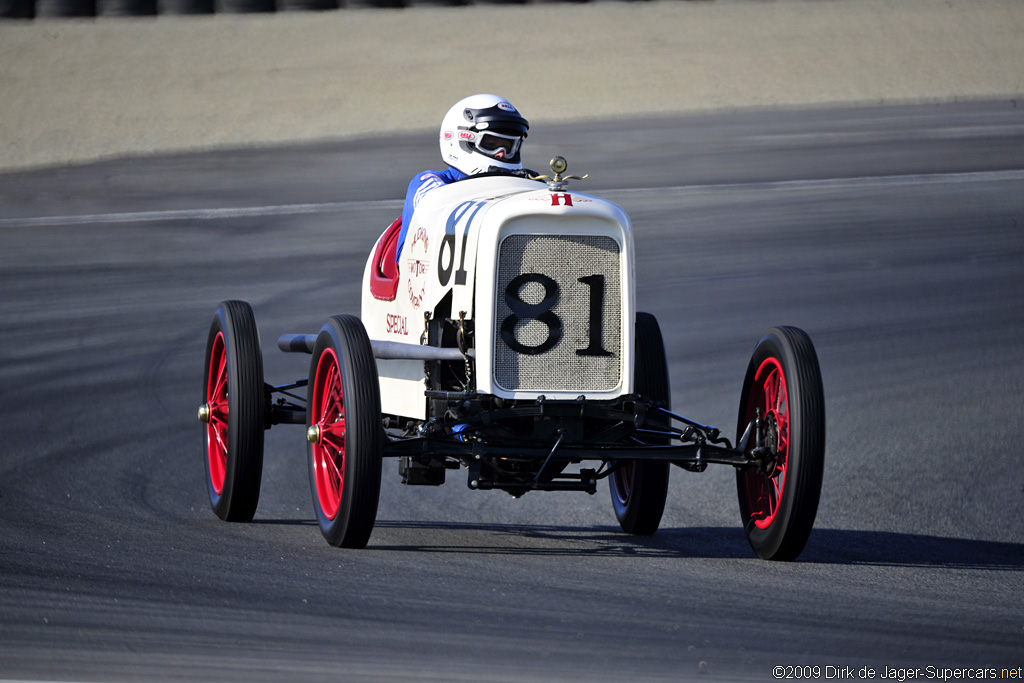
480, 134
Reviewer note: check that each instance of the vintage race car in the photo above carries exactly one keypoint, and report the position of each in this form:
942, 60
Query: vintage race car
505, 340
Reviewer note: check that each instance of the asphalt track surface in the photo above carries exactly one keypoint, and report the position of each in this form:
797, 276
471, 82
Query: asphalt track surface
894, 236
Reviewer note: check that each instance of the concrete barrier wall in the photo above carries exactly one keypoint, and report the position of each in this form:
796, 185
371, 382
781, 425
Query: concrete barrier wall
77, 90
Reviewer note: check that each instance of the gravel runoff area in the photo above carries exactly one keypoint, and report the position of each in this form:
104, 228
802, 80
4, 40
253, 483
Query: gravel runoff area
80, 90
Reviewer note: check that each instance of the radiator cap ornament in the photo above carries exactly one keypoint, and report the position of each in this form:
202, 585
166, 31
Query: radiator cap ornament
559, 182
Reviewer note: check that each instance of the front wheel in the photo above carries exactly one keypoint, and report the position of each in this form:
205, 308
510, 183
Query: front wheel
639, 487
233, 412
344, 432
778, 502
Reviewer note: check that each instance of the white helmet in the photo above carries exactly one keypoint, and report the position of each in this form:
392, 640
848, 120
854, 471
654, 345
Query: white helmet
483, 133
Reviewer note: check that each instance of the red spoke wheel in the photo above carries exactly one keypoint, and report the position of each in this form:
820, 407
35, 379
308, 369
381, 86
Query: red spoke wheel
639, 488
778, 502
233, 412
344, 433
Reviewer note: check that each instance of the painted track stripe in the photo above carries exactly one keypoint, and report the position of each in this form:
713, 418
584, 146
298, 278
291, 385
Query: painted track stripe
197, 214
333, 207
834, 183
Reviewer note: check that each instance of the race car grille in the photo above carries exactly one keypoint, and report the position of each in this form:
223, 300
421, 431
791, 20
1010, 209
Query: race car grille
558, 314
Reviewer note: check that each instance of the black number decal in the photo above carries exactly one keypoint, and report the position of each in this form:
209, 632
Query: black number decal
542, 312
596, 347
444, 272
522, 310
460, 274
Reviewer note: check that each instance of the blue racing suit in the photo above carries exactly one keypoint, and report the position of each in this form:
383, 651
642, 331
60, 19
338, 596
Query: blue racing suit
423, 183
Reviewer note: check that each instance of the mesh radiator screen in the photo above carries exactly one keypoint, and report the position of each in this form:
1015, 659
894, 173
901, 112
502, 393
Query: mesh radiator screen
558, 313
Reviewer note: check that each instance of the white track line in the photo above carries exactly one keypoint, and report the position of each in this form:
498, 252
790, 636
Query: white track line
334, 207
836, 183
196, 214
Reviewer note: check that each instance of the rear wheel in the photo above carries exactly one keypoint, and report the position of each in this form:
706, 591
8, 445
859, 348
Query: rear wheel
778, 502
344, 433
233, 412
639, 488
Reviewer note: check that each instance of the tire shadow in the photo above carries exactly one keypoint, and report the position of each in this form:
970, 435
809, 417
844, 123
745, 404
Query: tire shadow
826, 546
882, 548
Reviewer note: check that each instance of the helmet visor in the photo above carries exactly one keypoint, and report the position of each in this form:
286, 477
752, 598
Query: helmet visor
498, 145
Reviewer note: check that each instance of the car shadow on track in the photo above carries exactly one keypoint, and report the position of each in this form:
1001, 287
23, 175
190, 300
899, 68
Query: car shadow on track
882, 548
548, 540
826, 546
285, 522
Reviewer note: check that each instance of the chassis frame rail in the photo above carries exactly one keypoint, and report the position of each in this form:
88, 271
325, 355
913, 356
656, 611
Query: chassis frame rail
451, 442
684, 455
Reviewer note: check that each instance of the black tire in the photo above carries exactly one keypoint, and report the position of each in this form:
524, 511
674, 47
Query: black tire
234, 407
778, 507
65, 8
374, 4
244, 6
639, 488
17, 9
185, 6
306, 5
344, 455
126, 8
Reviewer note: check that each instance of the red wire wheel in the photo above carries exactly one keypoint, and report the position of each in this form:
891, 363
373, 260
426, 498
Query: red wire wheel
764, 489
639, 487
779, 501
218, 412
328, 411
344, 433
233, 412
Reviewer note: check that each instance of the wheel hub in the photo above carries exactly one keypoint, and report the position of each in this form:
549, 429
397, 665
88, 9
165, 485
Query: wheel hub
771, 443
205, 412
313, 434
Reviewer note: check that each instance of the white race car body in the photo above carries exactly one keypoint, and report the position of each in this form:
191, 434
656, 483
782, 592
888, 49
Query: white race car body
505, 341
543, 278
